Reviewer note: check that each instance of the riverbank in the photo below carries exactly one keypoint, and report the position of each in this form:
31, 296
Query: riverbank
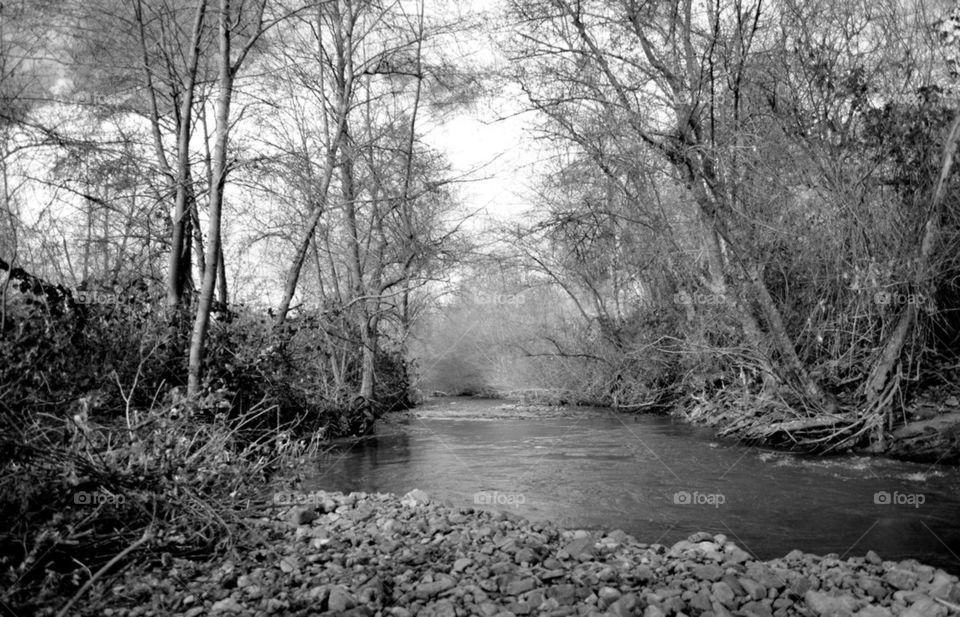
375, 554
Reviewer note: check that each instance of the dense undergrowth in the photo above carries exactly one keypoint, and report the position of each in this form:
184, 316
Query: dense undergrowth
104, 461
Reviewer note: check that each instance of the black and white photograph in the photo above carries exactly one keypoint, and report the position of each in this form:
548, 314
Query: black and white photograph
479, 308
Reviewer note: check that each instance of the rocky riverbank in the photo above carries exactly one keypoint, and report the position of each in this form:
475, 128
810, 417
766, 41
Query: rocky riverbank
372, 554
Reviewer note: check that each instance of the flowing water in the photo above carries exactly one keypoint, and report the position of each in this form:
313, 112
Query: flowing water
656, 478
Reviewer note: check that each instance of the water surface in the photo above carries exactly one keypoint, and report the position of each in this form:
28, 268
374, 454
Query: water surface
656, 478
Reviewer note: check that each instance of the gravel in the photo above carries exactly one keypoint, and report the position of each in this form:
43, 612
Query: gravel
382, 555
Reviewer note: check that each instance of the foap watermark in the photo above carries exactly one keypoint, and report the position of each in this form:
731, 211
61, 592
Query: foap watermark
484, 297
100, 99
696, 498
496, 498
95, 296
685, 297
299, 498
888, 298
896, 498
96, 498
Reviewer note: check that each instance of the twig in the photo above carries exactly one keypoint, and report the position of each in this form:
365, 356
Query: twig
147, 535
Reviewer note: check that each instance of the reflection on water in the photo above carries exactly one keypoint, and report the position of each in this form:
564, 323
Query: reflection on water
657, 479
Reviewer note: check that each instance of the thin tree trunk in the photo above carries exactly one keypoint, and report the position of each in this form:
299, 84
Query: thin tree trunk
178, 271
890, 355
202, 321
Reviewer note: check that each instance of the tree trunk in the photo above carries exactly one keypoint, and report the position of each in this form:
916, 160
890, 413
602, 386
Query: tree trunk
179, 262
890, 355
202, 320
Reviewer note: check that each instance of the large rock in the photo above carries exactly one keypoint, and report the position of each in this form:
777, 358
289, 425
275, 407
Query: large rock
827, 605
415, 498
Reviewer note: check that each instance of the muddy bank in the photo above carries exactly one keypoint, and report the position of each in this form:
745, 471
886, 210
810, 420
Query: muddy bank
375, 554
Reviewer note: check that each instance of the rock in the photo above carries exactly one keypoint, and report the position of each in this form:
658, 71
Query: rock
925, 607
826, 605
462, 564
765, 575
700, 601
794, 557
289, 564
873, 587
339, 599
425, 591
942, 584
415, 498
708, 572
734, 584
754, 589
900, 578
525, 555
518, 586
564, 594
644, 574
441, 608
755, 609
624, 605
301, 515
873, 558
735, 554
227, 605
653, 611
722, 593
607, 596
700, 536
319, 594
580, 548
874, 611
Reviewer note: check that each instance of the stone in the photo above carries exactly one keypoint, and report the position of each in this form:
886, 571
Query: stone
339, 599
525, 555
624, 605
734, 584
794, 557
722, 593
425, 591
580, 547
925, 607
518, 586
901, 579
700, 601
873, 587
708, 572
318, 594
415, 498
755, 609
462, 564
754, 589
607, 596
227, 605
301, 515
441, 608
826, 605
735, 554
653, 610
874, 610
644, 574
873, 558
942, 584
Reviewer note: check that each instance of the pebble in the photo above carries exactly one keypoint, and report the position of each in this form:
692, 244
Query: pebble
442, 561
